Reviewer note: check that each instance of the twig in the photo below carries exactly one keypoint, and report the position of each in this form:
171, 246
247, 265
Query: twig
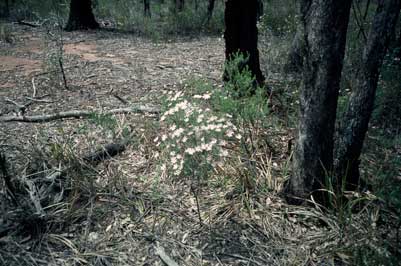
34, 88
27, 24
78, 114
124, 101
163, 256
60, 62
19, 106
39, 100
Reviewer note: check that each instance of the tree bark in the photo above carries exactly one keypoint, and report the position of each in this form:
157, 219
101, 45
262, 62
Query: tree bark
81, 16
146, 8
325, 25
296, 54
361, 102
241, 34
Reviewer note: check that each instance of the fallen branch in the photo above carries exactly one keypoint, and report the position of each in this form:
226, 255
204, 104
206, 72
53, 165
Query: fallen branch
79, 114
20, 22
106, 152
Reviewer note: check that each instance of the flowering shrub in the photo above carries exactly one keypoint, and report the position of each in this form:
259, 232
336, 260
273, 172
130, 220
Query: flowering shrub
195, 137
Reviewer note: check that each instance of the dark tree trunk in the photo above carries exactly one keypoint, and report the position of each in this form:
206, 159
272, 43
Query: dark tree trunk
5, 13
210, 9
81, 16
241, 34
179, 5
325, 28
260, 10
146, 8
360, 107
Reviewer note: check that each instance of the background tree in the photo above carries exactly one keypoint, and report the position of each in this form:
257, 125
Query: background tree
356, 118
81, 16
146, 8
324, 26
179, 5
210, 8
241, 34
5, 9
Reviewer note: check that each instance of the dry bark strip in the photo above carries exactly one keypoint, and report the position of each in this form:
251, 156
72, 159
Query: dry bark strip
164, 257
79, 114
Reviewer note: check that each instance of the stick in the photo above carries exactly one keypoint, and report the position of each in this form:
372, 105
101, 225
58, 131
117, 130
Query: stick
78, 114
106, 152
27, 24
164, 257
34, 88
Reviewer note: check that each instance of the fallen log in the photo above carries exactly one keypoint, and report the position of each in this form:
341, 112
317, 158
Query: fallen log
106, 152
79, 114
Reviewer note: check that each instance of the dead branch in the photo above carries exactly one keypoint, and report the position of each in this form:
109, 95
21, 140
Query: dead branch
79, 114
33, 87
106, 152
20, 22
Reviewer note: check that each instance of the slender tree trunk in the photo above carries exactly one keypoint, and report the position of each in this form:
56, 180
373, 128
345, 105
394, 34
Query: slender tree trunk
210, 9
260, 10
325, 28
179, 5
81, 16
360, 107
241, 34
146, 8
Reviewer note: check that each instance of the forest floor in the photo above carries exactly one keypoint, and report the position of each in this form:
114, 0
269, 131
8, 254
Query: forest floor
135, 216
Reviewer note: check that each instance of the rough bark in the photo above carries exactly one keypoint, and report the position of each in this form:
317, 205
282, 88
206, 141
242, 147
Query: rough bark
146, 8
360, 107
81, 16
241, 34
296, 54
325, 28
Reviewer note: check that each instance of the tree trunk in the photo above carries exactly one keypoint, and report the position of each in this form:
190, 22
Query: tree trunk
146, 8
210, 9
296, 54
325, 28
360, 107
241, 34
5, 12
260, 10
179, 5
81, 16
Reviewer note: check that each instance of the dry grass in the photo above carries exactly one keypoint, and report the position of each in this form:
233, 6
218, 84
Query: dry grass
118, 212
